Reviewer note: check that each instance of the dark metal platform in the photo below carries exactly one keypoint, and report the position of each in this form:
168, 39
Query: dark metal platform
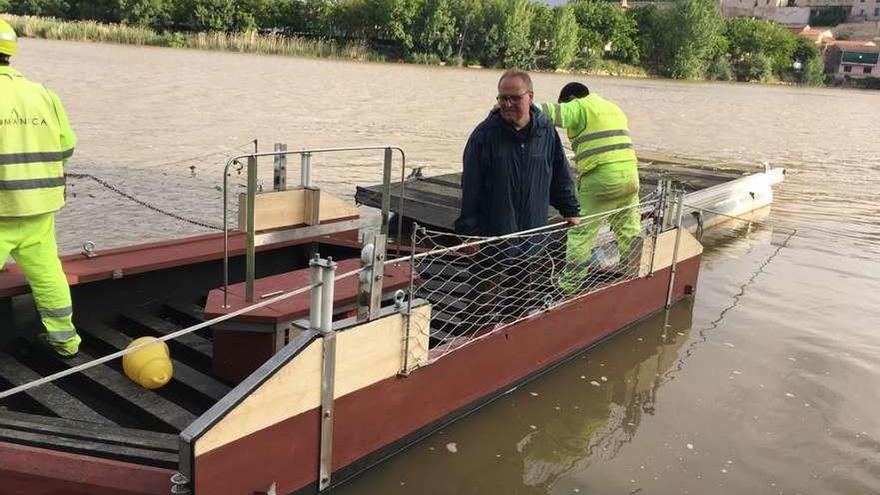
434, 201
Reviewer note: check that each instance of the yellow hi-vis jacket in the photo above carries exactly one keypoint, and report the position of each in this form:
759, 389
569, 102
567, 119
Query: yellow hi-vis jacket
598, 130
35, 139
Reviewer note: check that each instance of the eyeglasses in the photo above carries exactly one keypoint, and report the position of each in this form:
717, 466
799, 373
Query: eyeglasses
511, 99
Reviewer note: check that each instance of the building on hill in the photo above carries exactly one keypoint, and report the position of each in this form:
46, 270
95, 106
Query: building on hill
865, 10
853, 59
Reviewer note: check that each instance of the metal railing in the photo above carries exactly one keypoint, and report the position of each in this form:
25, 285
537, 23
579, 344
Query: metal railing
305, 181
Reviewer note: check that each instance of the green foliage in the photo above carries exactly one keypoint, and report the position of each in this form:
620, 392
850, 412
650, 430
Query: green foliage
755, 44
506, 41
604, 24
210, 15
145, 13
436, 33
46, 8
719, 69
681, 41
424, 59
753, 67
565, 42
695, 37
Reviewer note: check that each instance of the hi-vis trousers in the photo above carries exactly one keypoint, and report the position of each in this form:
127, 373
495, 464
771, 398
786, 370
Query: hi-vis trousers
607, 187
31, 242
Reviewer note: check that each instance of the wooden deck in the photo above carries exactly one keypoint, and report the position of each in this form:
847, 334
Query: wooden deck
434, 200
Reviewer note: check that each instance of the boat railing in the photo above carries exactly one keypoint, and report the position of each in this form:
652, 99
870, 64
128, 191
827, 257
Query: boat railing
481, 285
280, 154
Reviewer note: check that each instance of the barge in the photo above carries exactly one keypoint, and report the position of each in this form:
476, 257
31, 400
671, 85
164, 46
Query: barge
304, 349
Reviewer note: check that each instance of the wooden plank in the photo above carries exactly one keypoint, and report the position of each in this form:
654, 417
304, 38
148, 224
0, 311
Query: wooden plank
365, 354
312, 206
333, 208
109, 434
289, 208
153, 323
148, 401
688, 248
90, 447
273, 209
183, 373
49, 395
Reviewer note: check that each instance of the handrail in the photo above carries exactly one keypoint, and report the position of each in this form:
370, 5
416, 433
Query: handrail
305, 175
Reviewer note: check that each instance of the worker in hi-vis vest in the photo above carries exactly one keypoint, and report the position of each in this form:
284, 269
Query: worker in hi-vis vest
607, 176
35, 140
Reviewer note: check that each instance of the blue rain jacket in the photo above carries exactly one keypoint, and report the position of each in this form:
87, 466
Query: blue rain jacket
509, 181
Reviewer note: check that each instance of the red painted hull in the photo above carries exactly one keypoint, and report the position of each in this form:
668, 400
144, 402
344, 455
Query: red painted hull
33, 471
377, 416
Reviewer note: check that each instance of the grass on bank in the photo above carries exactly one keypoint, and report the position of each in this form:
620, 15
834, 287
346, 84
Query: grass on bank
247, 42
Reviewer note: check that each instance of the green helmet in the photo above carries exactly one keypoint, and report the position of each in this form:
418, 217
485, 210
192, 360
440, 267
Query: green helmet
8, 40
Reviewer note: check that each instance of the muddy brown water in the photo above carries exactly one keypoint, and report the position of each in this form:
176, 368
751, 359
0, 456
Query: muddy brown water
768, 383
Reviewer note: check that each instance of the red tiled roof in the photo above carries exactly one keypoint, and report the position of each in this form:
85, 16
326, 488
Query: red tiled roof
814, 31
861, 46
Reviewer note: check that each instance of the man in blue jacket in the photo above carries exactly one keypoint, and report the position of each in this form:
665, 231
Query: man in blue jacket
514, 170
514, 167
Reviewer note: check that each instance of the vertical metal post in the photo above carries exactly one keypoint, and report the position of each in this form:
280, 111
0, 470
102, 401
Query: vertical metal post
370, 278
679, 200
328, 372
305, 169
386, 191
409, 299
662, 190
315, 303
250, 254
401, 202
280, 181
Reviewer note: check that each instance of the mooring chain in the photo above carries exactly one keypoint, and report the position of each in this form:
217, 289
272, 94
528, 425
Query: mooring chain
142, 202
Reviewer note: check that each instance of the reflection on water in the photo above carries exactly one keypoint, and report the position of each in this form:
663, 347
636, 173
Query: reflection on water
585, 411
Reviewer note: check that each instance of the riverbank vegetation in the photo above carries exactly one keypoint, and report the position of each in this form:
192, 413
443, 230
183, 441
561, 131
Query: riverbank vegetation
685, 39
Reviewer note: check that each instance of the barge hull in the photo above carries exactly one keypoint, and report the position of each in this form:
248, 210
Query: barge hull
37, 471
377, 420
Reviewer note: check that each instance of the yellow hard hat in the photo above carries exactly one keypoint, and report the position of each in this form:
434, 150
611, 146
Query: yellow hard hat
8, 40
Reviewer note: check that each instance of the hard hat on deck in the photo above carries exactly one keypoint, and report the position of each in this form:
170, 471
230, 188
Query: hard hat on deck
8, 40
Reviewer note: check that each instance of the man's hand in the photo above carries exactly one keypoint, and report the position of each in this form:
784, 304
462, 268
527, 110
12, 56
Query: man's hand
572, 221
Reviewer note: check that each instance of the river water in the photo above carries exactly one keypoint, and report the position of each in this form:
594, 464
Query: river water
768, 383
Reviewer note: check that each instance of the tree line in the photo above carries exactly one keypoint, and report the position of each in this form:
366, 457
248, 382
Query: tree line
680, 38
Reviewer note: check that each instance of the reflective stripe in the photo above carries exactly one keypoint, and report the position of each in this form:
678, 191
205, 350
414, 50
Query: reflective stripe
599, 135
7, 37
60, 336
37, 157
18, 185
602, 149
57, 313
557, 116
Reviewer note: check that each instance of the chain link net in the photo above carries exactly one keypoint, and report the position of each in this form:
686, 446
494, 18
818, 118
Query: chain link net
480, 285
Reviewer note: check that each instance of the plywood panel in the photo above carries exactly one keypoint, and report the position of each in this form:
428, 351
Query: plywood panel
688, 248
333, 208
292, 207
273, 209
366, 354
